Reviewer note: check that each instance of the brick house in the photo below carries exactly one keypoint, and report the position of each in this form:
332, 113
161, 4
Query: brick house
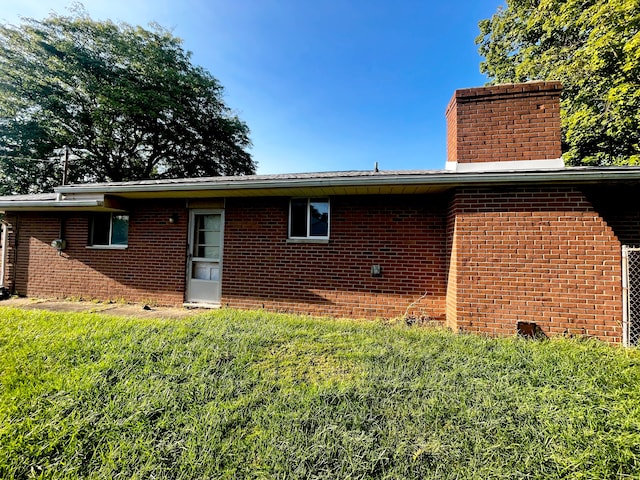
505, 235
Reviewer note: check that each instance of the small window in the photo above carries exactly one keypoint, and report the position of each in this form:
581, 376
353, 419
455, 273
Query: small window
309, 218
109, 229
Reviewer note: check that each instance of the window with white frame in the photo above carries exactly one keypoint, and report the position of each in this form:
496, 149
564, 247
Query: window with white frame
109, 230
309, 218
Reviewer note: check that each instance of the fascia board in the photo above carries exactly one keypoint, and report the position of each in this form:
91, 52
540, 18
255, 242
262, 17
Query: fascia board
443, 179
49, 205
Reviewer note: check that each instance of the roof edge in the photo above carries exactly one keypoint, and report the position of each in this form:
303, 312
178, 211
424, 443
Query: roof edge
441, 177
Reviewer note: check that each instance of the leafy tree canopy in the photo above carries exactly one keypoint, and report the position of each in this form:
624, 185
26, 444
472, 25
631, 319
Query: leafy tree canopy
593, 48
127, 101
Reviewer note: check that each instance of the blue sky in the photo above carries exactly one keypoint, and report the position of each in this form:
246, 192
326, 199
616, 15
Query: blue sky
323, 85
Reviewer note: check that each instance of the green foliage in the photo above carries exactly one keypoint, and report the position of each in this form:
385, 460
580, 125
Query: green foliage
126, 100
593, 48
255, 395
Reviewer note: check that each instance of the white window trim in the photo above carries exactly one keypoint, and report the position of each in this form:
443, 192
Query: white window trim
310, 238
320, 240
109, 246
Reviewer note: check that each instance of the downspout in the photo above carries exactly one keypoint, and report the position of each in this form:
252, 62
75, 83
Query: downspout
16, 232
61, 234
3, 226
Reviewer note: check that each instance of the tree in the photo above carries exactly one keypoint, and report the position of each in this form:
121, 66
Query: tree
593, 48
127, 102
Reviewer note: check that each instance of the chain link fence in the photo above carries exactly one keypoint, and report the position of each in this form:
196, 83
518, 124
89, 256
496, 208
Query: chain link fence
631, 291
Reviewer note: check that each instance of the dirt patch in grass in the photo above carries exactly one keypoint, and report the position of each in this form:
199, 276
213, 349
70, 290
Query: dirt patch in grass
138, 310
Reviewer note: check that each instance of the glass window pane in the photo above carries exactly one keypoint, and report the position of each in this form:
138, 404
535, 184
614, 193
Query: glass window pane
206, 271
100, 229
208, 252
298, 222
319, 218
209, 238
120, 230
212, 222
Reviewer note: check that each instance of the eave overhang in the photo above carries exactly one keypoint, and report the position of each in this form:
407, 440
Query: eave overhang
113, 196
39, 206
350, 183
96, 203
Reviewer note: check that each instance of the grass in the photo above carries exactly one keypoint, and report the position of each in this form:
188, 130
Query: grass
236, 395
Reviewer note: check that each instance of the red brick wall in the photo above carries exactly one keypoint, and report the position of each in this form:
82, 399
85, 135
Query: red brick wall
451, 116
452, 266
486, 259
504, 123
406, 235
618, 205
151, 269
541, 255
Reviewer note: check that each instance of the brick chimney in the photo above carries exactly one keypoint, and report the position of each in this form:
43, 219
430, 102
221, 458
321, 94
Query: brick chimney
505, 127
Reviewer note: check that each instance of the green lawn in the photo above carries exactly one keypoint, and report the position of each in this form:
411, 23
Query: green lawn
255, 395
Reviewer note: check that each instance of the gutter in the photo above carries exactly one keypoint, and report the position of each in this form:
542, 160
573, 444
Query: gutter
48, 204
443, 179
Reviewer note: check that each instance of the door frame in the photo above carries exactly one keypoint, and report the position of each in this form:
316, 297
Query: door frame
190, 245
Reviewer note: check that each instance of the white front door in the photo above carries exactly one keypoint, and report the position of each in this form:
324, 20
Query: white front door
204, 268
